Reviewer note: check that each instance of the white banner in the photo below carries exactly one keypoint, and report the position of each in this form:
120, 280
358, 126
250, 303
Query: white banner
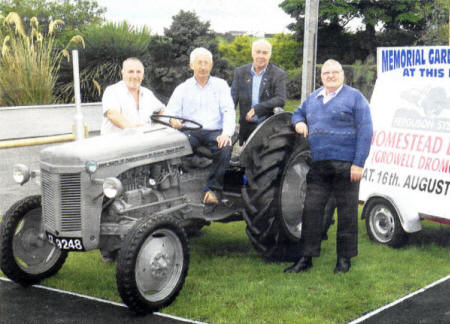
409, 161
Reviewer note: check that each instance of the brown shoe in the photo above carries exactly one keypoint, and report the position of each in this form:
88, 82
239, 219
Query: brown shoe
210, 198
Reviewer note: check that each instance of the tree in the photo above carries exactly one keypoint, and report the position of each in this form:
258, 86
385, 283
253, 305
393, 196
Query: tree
403, 22
74, 13
239, 51
169, 55
286, 51
437, 17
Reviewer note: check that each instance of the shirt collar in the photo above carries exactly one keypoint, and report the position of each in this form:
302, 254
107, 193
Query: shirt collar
128, 90
252, 71
323, 92
198, 84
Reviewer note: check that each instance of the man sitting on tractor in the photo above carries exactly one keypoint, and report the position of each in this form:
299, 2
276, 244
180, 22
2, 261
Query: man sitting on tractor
206, 100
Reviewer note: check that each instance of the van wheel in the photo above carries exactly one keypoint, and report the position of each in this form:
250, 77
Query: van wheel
383, 224
152, 264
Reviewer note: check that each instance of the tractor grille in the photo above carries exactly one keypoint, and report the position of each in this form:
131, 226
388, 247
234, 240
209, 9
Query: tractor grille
61, 197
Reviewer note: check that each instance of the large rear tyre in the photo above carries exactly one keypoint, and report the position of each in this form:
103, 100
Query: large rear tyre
293, 190
152, 264
26, 256
264, 163
383, 224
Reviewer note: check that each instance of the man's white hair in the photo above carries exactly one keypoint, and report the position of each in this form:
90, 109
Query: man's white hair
198, 51
261, 41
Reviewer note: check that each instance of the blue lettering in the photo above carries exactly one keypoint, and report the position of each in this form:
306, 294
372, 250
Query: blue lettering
397, 62
408, 58
416, 57
385, 61
443, 56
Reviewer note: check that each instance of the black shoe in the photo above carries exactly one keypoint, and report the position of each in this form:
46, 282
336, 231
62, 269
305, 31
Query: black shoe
303, 264
342, 265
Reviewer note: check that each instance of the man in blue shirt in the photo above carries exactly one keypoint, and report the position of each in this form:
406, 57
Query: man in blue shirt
336, 119
257, 87
207, 100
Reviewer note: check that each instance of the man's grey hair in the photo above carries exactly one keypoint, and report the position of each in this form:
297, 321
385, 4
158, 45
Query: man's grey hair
261, 41
331, 61
131, 59
198, 51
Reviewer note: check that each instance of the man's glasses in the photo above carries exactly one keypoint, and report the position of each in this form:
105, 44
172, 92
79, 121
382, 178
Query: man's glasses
333, 73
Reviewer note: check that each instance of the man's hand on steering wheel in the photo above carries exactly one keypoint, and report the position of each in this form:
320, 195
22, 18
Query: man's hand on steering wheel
223, 140
176, 123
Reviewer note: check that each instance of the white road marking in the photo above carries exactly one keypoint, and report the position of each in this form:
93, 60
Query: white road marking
379, 310
107, 302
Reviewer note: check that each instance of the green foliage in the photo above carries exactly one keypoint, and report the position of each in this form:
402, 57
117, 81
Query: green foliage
75, 14
286, 51
403, 22
294, 83
169, 55
29, 63
359, 75
107, 46
363, 76
437, 15
239, 51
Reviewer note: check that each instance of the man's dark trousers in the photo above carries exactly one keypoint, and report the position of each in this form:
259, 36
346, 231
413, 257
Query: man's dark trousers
327, 178
221, 157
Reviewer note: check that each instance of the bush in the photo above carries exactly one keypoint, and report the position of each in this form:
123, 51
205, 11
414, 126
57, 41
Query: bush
107, 46
294, 83
29, 64
361, 76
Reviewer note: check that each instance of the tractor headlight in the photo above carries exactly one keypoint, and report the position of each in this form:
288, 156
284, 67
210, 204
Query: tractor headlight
91, 166
112, 187
21, 173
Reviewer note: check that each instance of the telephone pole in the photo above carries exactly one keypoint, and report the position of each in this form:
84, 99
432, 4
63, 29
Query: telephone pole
310, 47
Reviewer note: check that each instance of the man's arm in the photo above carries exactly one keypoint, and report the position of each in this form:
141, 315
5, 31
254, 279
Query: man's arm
228, 116
235, 87
119, 120
277, 99
364, 130
364, 133
174, 106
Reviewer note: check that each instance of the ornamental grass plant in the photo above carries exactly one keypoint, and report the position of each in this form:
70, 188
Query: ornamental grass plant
29, 62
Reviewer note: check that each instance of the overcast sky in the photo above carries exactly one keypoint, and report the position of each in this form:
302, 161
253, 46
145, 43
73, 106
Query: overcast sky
255, 16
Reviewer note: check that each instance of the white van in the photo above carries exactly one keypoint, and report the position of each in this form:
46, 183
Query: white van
407, 175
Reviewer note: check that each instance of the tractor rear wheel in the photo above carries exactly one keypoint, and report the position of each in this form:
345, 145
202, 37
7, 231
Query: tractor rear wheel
273, 227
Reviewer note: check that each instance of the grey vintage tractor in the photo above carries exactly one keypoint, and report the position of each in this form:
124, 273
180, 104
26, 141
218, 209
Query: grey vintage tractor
139, 193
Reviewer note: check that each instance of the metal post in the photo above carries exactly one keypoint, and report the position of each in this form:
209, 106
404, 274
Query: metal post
310, 47
79, 129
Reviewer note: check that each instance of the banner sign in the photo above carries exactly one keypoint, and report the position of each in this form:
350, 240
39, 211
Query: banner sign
409, 160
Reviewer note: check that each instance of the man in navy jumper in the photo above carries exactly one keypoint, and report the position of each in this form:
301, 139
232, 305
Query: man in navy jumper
336, 119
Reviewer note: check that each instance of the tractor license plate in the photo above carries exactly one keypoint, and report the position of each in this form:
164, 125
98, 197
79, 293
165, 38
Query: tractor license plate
66, 243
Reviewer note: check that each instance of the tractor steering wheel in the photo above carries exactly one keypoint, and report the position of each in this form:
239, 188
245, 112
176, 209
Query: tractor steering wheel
157, 119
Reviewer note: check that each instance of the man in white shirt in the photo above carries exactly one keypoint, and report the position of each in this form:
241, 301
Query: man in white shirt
207, 100
126, 104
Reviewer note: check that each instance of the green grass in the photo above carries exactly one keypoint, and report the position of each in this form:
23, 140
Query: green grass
291, 105
228, 282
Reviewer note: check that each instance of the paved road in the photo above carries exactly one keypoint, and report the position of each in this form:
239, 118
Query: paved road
430, 305
20, 305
